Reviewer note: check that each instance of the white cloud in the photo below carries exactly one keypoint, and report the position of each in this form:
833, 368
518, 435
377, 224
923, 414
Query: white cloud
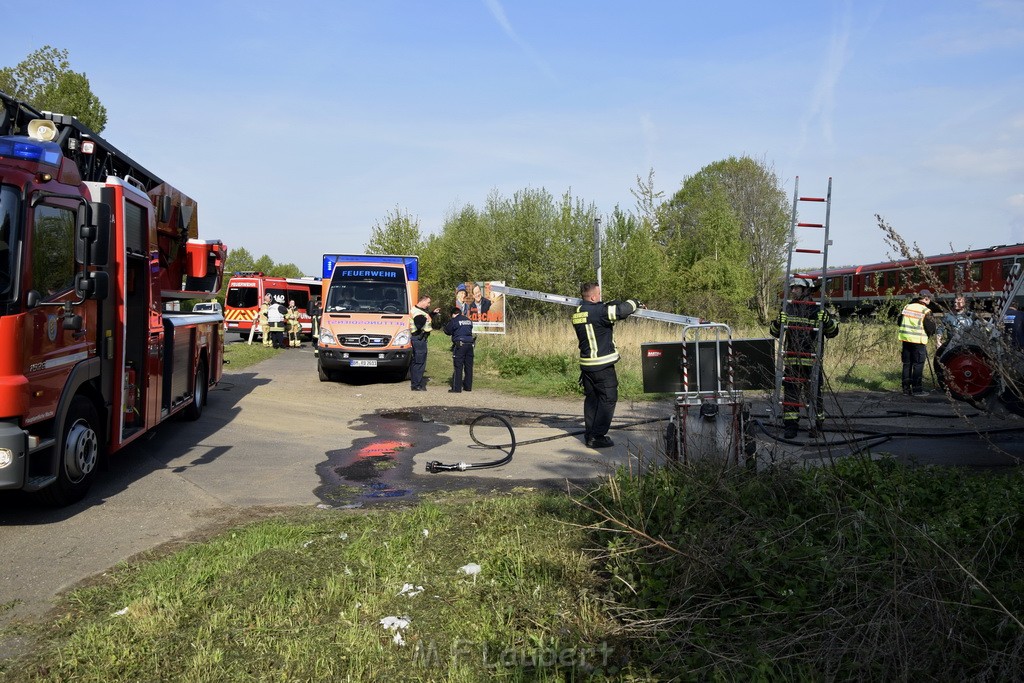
499, 15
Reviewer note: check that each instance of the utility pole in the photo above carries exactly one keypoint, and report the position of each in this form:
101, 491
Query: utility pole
597, 250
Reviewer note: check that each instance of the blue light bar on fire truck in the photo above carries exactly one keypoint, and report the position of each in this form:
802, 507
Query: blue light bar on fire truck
17, 147
411, 263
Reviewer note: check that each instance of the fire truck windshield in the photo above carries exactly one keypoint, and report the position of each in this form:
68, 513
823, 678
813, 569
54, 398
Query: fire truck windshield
10, 205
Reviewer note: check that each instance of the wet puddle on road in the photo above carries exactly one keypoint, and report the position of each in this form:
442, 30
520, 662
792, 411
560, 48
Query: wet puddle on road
380, 466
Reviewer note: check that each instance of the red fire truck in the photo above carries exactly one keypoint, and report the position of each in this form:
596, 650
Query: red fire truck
94, 252
245, 293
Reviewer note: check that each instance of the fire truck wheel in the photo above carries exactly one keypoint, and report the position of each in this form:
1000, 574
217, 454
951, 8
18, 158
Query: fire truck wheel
966, 373
80, 445
194, 410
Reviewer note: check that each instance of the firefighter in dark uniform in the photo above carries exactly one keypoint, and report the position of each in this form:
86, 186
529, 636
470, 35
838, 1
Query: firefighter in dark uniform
422, 320
593, 322
460, 329
802, 319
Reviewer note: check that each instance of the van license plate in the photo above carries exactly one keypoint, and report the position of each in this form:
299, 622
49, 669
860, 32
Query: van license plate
363, 363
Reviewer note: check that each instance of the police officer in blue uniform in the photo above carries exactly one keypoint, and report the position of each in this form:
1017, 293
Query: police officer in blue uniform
593, 322
460, 329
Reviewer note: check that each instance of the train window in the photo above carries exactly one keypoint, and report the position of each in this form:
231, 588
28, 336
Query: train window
976, 272
942, 274
891, 279
869, 281
1008, 264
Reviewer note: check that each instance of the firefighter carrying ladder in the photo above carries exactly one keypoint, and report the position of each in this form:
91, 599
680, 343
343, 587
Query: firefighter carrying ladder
784, 357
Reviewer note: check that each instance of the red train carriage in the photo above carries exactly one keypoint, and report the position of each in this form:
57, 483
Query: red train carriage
980, 274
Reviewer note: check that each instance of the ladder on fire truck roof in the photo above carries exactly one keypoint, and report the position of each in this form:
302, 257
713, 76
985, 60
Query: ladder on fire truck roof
95, 158
787, 359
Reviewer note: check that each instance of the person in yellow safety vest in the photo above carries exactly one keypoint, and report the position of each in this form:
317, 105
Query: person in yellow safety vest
293, 325
802, 318
264, 323
916, 325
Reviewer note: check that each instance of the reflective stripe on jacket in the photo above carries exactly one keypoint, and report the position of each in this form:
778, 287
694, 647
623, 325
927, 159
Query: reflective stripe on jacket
912, 323
593, 322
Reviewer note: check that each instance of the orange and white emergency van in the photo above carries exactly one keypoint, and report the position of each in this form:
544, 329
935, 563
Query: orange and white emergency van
365, 324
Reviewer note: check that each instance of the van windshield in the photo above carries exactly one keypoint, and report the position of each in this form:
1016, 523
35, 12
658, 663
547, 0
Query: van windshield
243, 297
368, 290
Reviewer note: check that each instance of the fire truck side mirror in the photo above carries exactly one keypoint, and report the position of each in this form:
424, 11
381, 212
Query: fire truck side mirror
94, 285
92, 247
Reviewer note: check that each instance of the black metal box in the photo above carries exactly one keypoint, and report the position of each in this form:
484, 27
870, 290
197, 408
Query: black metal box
753, 365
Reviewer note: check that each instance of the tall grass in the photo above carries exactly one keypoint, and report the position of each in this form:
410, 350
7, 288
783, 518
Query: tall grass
539, 356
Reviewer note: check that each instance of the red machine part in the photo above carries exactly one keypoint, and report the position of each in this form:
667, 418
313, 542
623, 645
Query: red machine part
967, 373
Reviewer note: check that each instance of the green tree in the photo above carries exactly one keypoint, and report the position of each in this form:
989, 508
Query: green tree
634, 264
706, 248
45, 80
755, 195
398, 233
239, 261
286, 270
264, 264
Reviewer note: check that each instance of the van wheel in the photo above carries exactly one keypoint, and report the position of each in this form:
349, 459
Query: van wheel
325, 375
194, 410
80, 447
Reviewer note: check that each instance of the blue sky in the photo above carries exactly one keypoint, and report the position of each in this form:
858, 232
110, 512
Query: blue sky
298, 126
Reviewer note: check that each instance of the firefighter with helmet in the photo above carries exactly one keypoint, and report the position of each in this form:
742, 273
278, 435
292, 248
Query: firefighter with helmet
802, 319
292, 325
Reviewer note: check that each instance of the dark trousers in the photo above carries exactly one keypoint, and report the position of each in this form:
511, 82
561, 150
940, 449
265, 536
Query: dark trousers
799, 392
277, 335
601, 391
914, 357
462, 360
419, 363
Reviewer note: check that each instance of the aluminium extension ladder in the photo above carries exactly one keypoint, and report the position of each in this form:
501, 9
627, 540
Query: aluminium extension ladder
782, 355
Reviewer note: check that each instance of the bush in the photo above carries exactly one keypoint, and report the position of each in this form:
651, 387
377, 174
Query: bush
863, 570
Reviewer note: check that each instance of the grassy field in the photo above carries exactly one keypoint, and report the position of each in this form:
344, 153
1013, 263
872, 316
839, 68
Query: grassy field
311, 597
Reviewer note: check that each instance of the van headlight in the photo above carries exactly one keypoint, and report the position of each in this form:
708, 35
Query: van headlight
402, 338
326, 336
